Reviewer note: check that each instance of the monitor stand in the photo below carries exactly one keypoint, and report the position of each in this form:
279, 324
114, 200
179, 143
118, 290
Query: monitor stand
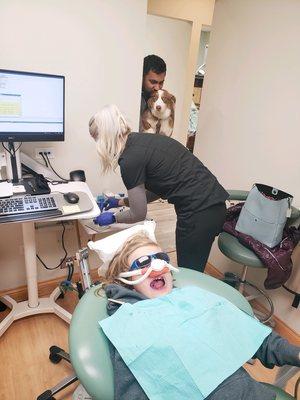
13, 163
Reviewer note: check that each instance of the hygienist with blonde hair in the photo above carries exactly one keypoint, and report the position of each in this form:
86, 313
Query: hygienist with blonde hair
155, 166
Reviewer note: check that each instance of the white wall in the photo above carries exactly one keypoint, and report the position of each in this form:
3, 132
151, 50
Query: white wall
249, 120
99, 46
204, 40
199, 13
170, 39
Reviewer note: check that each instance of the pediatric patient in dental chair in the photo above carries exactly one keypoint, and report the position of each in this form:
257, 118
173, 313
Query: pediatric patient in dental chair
140, 270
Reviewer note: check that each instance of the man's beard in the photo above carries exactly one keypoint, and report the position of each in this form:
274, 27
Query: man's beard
146, 94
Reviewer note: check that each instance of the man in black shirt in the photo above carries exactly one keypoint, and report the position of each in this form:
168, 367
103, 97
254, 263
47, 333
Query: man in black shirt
155, 166
154, 73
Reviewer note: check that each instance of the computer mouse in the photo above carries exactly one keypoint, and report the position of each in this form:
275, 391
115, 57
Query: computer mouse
72, 198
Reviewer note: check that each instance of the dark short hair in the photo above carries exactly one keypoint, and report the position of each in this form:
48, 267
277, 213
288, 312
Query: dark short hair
155, 64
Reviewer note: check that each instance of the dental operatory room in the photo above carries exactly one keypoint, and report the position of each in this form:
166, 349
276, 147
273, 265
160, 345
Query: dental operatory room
149, 200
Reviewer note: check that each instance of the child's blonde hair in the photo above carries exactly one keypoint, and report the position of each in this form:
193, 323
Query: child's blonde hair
109, 129
119, 263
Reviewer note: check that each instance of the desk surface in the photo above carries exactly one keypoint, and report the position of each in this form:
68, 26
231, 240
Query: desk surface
36, 305
76, 187
86, 208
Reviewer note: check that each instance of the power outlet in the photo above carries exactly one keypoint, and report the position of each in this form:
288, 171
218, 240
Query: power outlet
48, 150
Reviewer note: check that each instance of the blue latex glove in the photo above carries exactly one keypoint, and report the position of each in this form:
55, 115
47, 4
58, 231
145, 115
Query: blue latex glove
100, 201
106, 218
111, 202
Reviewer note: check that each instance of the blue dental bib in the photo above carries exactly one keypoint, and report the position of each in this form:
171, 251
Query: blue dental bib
184, 344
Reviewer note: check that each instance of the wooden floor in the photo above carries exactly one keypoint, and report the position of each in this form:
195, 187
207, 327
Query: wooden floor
24, 350
25, 368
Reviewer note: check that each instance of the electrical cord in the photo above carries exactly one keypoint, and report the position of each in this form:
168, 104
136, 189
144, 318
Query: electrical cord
296, 295
8, 150
12, 153
43, 156
291, 291
19, 147
64, 248
50, 165
67, 285
28, 170
55, 182
70, 271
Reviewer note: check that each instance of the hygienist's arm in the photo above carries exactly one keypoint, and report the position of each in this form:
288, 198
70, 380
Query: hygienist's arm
137, 200
150, 196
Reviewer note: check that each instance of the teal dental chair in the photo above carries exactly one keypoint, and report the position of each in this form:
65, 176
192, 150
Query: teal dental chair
234, 250
88, 345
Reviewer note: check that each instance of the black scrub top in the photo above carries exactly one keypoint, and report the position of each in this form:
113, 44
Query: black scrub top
171, 171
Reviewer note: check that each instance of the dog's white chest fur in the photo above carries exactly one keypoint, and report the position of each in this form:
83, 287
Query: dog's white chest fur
159, 117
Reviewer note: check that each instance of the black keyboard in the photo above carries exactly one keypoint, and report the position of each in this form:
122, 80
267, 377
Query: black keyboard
23, 208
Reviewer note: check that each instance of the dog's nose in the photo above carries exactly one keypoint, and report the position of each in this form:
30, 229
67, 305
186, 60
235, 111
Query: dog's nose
158, 108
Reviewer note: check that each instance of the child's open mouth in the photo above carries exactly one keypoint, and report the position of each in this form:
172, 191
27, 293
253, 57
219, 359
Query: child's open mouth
158, 283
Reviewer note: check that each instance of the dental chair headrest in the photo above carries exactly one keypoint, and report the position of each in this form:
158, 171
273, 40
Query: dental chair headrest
106, 248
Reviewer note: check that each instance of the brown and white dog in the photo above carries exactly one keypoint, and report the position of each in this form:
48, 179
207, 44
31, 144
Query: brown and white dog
159, 116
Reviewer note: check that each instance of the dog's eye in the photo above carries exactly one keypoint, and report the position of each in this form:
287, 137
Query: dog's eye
164, 99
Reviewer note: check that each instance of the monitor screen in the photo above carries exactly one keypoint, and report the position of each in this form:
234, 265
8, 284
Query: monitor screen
31, 106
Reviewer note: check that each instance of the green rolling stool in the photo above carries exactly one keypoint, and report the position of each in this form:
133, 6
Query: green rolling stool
234, 250
88, 345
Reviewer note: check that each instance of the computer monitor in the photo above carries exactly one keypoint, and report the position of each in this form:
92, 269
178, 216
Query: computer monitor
32, 107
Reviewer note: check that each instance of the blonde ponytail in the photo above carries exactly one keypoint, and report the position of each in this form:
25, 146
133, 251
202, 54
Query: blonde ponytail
109, 129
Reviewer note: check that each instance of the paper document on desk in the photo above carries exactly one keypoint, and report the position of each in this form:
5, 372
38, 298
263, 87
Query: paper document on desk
6, 189
84, 203
19, 189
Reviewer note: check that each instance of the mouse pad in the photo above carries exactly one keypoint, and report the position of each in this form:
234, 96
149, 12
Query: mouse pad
84, 204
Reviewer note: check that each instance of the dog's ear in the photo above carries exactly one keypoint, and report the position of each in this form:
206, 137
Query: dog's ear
169, 96
124, 128
173, 98
153, 97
